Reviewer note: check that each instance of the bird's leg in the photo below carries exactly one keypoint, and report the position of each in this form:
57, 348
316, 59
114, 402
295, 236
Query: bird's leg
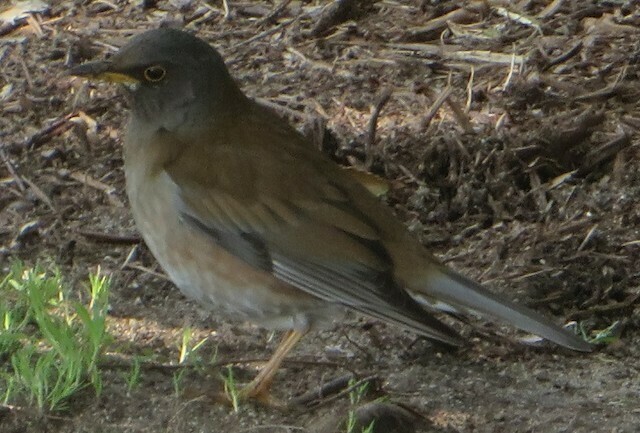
258, 388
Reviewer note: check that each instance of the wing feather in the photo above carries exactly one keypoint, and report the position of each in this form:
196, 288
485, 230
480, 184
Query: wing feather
300, 224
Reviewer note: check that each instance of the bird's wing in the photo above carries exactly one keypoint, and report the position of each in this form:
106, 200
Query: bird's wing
290, 212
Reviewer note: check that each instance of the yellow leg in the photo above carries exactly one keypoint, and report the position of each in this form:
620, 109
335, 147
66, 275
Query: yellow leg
258, 388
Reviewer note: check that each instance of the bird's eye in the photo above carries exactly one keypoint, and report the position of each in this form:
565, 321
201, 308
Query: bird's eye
154, 73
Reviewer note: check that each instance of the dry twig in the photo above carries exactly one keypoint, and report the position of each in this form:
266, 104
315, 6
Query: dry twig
426, 120
381, 101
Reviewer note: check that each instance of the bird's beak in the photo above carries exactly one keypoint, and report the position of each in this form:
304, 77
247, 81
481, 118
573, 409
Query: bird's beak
102, 71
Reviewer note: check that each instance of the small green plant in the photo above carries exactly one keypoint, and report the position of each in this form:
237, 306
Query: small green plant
369, 428
187, 353
187, 350
608, 335
52, 343
178, 377
356, 395
133, 378
231, 389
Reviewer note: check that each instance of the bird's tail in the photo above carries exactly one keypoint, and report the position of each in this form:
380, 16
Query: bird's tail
451, 290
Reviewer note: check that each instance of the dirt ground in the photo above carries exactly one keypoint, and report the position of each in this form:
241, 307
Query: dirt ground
526, 178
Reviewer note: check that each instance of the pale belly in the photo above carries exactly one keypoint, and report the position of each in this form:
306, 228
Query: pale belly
208, 274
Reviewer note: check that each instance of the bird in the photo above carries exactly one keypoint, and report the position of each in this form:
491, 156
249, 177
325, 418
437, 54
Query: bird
256, 224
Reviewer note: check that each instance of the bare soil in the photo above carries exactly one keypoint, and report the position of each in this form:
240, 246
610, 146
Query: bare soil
527, 179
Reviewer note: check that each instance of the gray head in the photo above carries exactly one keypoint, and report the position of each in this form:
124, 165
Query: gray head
173, 76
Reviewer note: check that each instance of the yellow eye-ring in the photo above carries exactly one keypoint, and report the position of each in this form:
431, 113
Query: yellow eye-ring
154, 73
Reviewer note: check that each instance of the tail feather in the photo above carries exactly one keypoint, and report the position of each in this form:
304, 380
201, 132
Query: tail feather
462, 294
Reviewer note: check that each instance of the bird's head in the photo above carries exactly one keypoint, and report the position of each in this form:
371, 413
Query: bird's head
172, 76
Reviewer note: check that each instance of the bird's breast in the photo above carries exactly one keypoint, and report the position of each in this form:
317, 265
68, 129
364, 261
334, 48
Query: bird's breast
203, 270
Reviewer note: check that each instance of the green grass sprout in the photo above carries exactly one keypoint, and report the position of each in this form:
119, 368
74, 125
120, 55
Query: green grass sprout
51, 342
